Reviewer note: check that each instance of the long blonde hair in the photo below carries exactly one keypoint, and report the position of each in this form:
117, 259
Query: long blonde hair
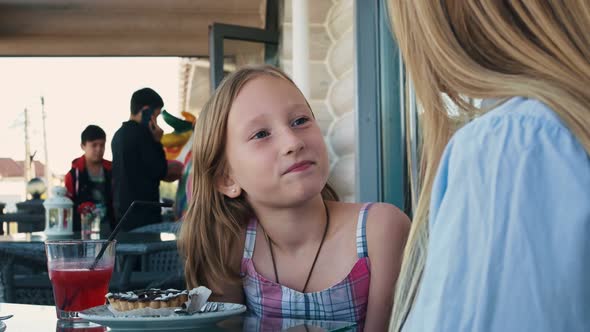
213, 221
485, 49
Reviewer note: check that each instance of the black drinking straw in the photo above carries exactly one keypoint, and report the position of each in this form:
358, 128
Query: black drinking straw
112, 237
118, 227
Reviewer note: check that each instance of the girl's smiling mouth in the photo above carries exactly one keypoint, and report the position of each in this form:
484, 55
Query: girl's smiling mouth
299, 166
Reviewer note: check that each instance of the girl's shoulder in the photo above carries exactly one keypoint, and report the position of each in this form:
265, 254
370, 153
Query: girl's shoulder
380, 217
382, 228
377, 209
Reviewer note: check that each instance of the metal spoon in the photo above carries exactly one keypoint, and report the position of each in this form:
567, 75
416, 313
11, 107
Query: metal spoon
208, 307
5, 317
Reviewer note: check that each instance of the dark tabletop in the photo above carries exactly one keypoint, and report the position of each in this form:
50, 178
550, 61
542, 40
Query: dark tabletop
28, 249
33, 244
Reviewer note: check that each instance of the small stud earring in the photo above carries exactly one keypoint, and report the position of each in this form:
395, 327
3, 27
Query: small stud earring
233, 190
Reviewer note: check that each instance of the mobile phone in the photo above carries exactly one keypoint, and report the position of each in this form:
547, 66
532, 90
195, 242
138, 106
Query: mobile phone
146, 116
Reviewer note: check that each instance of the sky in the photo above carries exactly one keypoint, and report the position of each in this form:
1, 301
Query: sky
77, 92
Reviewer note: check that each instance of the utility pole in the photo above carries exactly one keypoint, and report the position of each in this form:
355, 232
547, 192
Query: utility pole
47, 171
27, 159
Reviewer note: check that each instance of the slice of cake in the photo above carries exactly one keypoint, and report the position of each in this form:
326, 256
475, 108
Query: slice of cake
147, 298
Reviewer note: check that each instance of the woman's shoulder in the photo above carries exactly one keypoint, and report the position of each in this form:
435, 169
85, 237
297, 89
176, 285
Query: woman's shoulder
515, 127
518, 119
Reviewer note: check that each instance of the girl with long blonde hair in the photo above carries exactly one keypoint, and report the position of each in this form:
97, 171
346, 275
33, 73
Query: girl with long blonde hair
499, 241
263, 226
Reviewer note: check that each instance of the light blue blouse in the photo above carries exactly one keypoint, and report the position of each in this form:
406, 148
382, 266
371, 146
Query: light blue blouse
509, 246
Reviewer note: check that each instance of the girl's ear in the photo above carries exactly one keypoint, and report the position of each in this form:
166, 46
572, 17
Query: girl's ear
228, 186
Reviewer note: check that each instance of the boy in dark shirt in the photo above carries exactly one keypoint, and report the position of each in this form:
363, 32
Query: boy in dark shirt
89, 179
139, 162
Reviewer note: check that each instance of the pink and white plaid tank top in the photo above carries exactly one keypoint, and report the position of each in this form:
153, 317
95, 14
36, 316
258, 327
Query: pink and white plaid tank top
345, 301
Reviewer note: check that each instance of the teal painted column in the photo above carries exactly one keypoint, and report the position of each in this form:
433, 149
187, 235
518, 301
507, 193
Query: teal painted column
393, 122
381, 169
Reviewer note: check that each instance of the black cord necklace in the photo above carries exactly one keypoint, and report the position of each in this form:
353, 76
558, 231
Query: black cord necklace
272, 256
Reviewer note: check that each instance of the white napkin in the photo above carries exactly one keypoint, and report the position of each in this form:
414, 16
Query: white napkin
197, 297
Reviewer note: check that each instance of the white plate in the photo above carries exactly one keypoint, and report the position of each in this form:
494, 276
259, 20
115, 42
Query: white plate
101, 315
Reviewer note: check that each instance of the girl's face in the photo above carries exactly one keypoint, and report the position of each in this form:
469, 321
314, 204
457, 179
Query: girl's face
275, 148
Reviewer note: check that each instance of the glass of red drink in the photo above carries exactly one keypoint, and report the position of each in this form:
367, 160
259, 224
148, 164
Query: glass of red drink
78, 283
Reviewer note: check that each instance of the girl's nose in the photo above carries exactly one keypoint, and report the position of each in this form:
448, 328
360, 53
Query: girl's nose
291, 142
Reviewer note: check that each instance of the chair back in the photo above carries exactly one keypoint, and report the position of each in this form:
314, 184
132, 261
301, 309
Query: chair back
163, 261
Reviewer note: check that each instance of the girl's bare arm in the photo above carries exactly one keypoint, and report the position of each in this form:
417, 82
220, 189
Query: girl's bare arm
387, 231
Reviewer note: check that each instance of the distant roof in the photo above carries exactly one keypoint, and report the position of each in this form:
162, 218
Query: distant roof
9, 168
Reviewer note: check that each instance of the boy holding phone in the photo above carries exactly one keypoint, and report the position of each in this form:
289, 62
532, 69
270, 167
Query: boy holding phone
139, 162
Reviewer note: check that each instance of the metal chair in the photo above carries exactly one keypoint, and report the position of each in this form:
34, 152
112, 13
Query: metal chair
162, 227
24, 278
162, 269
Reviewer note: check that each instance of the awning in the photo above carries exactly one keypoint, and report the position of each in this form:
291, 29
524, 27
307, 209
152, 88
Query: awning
118, 27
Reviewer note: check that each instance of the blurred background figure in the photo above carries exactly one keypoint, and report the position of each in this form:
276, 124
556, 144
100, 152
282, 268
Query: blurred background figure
178, 147
139, 161
89, 179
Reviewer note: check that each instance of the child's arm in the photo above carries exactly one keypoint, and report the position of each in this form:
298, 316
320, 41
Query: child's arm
387, 231
69, 184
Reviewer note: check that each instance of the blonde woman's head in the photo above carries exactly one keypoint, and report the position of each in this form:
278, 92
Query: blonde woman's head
486, 49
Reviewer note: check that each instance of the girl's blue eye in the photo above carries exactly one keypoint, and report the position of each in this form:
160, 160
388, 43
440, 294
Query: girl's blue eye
300, 121
260, 134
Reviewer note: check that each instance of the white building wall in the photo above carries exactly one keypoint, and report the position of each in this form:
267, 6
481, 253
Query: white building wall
331, 77
12, 191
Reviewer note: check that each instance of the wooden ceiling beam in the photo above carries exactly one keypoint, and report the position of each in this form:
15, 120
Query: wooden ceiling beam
91, 24
118, 28
158, 5
78, 46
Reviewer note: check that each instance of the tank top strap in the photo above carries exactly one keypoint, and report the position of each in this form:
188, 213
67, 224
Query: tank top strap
362, 249
250, 239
